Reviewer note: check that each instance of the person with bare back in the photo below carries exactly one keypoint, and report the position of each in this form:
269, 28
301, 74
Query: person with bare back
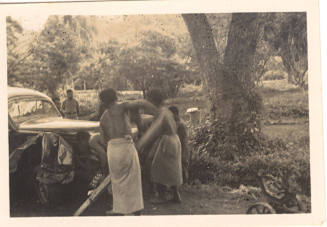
123, 160
164, 157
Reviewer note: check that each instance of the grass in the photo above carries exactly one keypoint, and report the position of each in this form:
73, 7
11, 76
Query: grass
292, 97
280, 85
292, 132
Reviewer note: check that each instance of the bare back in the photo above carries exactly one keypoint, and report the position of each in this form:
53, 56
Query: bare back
115, 123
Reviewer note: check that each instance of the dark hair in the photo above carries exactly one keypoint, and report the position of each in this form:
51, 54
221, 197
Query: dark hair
174, 110
69, 91
108, 96
155, 96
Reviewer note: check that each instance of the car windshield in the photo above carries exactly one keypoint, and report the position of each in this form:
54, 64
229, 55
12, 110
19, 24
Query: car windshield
23, 110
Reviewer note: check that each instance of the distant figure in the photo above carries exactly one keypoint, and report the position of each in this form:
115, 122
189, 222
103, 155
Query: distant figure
183, 137
70, 106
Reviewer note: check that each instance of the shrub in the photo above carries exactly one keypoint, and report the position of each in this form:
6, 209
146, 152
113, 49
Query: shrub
211, 160
211, 138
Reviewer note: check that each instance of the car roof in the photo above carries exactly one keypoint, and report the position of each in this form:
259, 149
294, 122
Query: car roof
16, 91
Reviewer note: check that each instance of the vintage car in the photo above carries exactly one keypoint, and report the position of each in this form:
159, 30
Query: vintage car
47, 152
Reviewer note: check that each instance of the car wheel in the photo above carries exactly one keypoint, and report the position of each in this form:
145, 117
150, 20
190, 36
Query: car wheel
261, 208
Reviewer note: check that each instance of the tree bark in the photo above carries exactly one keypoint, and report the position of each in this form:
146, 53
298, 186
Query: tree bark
237, 77
232, 84
243, 113
207, 54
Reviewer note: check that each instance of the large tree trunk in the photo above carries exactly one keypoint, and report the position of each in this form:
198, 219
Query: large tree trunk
232, 83
238, 81
206, 52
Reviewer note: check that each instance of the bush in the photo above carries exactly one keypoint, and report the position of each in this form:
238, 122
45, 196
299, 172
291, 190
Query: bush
211, 161
211, 138
244, 171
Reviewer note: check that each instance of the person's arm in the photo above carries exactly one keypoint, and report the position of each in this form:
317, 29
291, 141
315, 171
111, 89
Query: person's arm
149, 107
152, 133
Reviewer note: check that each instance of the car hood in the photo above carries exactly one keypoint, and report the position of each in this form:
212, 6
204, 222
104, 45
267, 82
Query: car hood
59, 125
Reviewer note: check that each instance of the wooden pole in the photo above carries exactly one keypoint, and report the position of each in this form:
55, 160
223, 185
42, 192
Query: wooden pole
94, 195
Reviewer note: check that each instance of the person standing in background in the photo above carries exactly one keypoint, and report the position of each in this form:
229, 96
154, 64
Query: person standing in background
70, 107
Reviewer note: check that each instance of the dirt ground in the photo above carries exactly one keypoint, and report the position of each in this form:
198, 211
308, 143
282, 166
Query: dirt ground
197, 199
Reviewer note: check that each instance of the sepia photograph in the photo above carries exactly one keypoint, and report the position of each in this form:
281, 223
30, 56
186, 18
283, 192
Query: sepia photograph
152, 114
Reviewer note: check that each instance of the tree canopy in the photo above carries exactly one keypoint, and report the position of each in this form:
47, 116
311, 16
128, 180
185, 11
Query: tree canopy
140, 52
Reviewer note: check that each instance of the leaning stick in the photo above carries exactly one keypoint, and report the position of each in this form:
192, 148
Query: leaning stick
94, 195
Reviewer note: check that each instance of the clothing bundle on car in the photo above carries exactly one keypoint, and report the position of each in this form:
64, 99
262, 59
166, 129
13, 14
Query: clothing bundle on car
57, 160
